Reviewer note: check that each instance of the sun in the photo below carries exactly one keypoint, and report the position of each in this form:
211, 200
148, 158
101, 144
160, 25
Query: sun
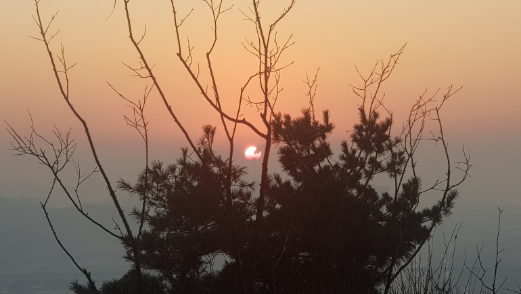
252, 153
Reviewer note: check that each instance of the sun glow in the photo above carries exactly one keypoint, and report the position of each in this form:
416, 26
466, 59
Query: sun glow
252, 153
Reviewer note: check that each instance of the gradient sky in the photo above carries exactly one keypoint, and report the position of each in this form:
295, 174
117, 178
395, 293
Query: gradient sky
474, 44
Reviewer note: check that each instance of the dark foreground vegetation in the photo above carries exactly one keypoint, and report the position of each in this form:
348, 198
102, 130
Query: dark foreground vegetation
325, 229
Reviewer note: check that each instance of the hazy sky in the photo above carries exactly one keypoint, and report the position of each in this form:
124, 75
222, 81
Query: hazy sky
474, 44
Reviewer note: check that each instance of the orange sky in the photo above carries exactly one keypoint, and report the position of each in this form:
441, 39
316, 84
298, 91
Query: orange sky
475, 44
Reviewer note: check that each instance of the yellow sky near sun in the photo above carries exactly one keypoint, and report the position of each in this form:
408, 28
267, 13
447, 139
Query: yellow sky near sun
471, 43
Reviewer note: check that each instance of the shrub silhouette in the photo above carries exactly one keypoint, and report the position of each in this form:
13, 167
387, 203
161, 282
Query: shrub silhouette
325, 226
